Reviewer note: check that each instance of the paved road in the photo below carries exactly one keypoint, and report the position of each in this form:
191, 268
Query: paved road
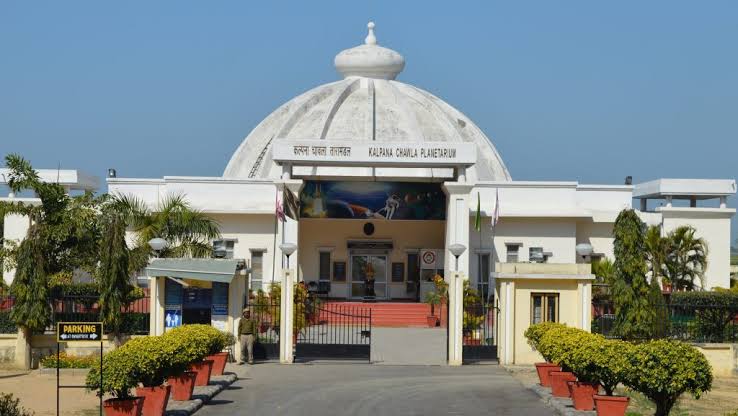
372, 390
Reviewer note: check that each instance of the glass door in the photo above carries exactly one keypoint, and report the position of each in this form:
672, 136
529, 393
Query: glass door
368, 276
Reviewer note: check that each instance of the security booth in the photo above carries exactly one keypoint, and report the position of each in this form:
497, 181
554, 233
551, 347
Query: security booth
531, 293
196, 291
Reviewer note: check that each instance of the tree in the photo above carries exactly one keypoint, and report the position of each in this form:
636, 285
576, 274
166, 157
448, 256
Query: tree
31, 311
188, 231
687, 259
657, 249
635, 315
113, 273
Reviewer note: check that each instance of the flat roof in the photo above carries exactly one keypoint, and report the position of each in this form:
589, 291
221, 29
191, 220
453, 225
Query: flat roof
685, 188
71, 178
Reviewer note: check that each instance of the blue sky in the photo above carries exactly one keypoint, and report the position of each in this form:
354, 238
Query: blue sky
567, 90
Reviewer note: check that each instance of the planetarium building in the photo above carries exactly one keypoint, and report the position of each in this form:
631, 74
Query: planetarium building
368, 190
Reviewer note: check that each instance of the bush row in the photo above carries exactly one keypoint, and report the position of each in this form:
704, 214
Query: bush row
71, 361
151, 360
662, 370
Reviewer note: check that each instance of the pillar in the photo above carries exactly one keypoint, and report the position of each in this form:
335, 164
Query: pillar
156, 305
23, 349
457, 231
286, 314
644, 204
236, 294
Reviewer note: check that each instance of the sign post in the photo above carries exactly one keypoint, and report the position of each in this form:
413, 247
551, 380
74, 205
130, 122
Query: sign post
78, 332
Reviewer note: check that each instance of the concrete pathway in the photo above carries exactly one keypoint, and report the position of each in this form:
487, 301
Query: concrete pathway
409, 346
370, 390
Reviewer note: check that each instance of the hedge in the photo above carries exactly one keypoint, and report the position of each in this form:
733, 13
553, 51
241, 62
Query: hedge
151, 360
708, 315
71, 361
7, 326
661, 370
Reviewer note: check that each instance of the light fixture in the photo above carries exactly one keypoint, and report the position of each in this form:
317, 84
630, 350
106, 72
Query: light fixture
457, 250
584, 249
112, 173
288, 249
158, 244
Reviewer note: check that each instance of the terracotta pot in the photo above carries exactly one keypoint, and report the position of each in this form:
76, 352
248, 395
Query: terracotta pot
123, 407
219, 362
432, 321
544, 370
558, 383
155, 399
203, 370
611, 405
582, 394
182, 385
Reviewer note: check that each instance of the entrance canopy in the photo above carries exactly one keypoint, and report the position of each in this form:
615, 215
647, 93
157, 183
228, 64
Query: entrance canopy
212, 270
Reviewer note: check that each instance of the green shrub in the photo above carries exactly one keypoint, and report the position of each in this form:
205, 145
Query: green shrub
663, 370
7, 325
557, 344
158, 359
71, 361
120, 374
582, 357
205, 339
610, 363
10, 406
534, 332
229, 339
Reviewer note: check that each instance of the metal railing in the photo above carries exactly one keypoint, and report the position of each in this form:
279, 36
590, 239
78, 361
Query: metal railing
266, 315
332, 331
479, 337
689, 323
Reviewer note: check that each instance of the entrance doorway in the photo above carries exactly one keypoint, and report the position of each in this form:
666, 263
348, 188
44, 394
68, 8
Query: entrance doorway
368, 276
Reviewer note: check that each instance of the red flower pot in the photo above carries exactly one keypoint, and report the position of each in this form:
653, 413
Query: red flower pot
182, 385
611, 405
582, 394
203, 370
432, 321
219, 362
155, 399
123, 407
558, 383
544, 370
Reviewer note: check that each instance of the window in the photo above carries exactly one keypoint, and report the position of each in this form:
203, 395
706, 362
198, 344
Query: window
535, 255
483, 276
325, 266
544, 307
223, 249
257, 269
512, 253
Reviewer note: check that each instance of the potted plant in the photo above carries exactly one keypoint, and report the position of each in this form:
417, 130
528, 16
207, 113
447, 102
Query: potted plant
189, 350
557, 345
203, 340
118, 378
157, 360
219, 357
533, 334
432, 299
679, 368
611, 365
582, 363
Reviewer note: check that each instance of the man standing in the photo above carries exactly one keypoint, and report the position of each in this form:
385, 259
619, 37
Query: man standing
247, 332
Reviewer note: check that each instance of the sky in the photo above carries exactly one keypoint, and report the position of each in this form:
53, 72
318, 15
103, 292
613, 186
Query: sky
566, 90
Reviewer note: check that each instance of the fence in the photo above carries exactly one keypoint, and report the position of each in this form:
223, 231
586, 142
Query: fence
479, 342
266, 315
332, 330
83, 309
704, 323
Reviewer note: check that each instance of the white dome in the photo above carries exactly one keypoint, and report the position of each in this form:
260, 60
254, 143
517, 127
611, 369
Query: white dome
366, 105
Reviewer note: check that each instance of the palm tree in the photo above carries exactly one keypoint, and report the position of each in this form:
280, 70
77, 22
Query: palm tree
657, 249
687, 259
188, 231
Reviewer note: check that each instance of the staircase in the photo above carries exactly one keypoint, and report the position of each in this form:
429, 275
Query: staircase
394, 314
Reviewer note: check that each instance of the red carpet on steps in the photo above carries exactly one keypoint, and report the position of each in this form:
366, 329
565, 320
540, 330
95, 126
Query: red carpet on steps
386, 314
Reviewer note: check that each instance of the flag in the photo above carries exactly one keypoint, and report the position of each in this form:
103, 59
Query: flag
496, 217
478, 218
278, 209
291, 206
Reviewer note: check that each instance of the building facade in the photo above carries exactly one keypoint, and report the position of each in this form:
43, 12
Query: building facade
389, 178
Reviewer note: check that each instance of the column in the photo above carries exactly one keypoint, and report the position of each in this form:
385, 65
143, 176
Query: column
286, 313
457, 231
156, 305
585, 299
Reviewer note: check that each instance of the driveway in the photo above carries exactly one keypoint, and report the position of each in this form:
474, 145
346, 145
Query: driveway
370, 390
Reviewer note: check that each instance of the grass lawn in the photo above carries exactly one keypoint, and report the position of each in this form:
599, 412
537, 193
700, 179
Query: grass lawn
722, 400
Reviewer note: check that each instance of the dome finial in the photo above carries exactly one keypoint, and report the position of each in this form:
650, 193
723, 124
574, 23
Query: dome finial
370, 38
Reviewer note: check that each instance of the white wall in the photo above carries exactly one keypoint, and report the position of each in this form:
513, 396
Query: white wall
15, 230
